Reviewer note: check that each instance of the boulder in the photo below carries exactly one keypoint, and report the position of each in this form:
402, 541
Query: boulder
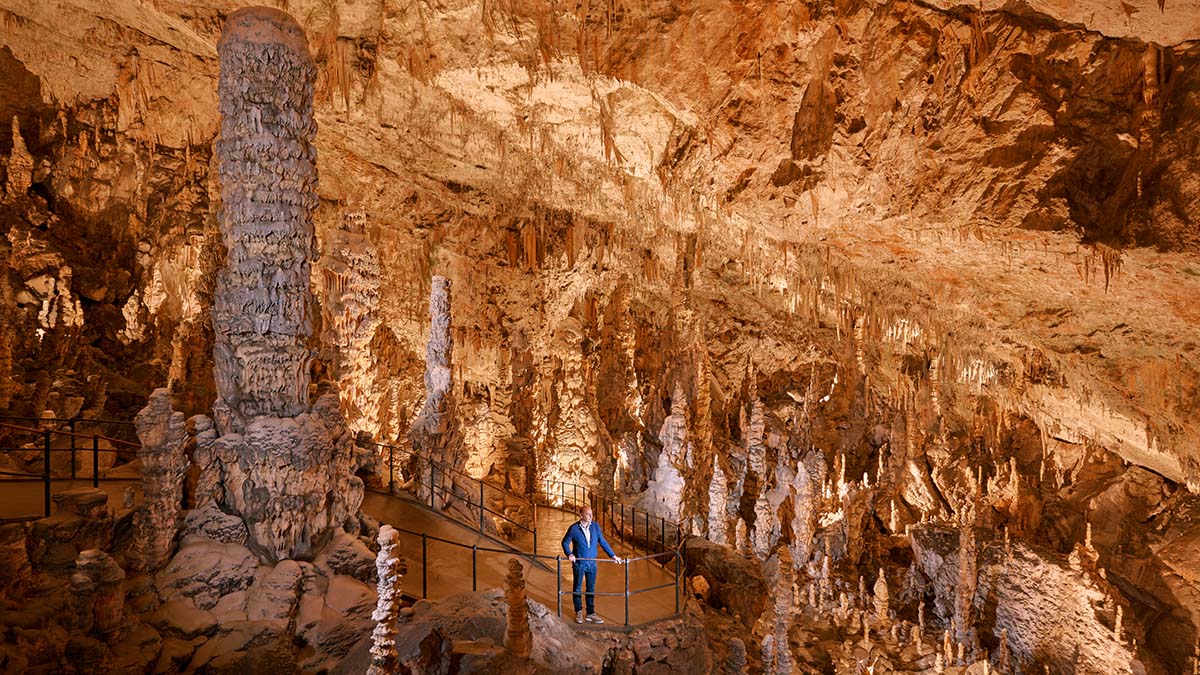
182, 619
206, 570
349, 555
211, 522
735, 583
273, 598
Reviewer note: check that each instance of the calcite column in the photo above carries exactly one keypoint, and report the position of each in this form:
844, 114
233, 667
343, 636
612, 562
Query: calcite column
518, 639
286, 468
164, 466
387, 608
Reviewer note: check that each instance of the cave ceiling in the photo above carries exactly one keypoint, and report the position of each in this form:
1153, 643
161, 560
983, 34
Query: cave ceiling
1009, 188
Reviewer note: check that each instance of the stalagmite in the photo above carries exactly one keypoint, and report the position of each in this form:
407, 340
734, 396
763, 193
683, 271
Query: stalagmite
164, 466
735, 663
518, 639
20, 166
1004, 657
287, 467
390, 570
782, 607
964, 592
766, 527
882, 609
434, 430
718, 493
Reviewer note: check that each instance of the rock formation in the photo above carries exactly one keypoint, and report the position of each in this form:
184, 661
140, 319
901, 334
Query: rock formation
389, 568
164, 466
96, 587
518, 640
287, 468
735, 663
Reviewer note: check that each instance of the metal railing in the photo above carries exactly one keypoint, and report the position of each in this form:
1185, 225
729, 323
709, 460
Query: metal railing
434, 490
675, 557
657, 533
45, 439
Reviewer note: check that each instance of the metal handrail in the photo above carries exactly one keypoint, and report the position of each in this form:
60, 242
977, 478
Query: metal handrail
67, 419
677, 554
607, 507
436, 490
46, 477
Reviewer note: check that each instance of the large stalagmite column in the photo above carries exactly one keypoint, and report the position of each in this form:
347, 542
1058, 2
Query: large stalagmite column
285, 467
433, 431
268, 172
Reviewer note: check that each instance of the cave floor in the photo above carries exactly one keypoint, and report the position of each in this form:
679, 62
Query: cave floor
448, 571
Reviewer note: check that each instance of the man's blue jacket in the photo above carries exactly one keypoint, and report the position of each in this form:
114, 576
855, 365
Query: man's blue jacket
574, 541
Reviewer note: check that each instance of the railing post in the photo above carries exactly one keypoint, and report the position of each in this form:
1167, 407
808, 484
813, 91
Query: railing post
391, 469
678, 572
95, 461
662, 534
431, 480
46, 472
562, 493
71, 428
480, 507
558, 584
424, 565
535, 549
626, 566
474, 566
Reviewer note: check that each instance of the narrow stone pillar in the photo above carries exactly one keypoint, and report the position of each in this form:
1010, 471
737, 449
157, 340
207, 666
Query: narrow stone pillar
518, 639
390, 570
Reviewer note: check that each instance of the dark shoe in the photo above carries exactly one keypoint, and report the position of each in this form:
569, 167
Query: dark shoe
592, 618
579, 617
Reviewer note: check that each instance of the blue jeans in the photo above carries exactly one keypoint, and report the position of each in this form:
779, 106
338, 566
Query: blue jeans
584, 570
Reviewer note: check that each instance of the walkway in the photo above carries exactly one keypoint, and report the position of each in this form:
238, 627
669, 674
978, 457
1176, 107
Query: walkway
448, 570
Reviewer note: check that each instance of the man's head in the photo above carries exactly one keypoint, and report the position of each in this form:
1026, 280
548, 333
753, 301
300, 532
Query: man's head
585, 515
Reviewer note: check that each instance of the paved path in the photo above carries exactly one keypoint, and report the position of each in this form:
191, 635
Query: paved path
22, 499
449, 567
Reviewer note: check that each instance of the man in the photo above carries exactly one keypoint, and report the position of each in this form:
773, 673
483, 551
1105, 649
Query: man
580, 544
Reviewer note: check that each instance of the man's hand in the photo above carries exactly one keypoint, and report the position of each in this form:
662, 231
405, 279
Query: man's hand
571, 557
617, 559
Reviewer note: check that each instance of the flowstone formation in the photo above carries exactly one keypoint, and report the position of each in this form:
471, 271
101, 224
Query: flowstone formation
389, 567
287, 468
